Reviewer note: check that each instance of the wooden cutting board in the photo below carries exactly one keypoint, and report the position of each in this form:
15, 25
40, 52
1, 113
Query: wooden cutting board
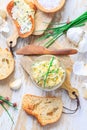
66, 60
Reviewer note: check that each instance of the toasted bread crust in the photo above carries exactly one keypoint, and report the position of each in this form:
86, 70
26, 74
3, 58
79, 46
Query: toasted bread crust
6, 63
33, 104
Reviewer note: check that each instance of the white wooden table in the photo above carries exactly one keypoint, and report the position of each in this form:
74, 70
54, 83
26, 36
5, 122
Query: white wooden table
78, 121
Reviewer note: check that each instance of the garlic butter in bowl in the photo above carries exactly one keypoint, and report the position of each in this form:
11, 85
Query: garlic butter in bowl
47, 72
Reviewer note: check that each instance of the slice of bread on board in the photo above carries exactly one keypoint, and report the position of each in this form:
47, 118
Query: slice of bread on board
47, 110
6, 63
42, 20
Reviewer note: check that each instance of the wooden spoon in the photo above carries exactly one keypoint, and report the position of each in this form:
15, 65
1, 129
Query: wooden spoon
39, 50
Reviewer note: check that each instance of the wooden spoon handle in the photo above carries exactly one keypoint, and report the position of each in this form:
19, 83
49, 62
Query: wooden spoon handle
64, 52
12, 40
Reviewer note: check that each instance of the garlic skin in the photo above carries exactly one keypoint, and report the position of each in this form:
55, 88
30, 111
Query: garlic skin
16, 84
3, 14
77, 67
83, 44
84, 90
84, 85
75, 35
1, 21
80, 69
3, 25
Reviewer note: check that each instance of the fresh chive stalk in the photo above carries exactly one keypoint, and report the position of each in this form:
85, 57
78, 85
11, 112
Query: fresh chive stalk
7, 113
6, 100
58, 31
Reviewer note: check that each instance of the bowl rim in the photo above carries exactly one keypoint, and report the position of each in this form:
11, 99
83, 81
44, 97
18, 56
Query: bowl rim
39, 6
54, 87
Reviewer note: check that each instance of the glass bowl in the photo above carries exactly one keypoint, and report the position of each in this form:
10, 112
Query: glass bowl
47, 58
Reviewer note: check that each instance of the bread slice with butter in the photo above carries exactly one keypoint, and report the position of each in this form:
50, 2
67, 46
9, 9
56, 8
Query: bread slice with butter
47, 110
6, 63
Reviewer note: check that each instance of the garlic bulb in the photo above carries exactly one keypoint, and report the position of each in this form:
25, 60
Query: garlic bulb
83, 44
16, 84
75, 35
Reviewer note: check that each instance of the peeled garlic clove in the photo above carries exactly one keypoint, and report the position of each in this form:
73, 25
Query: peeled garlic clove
83, 44
75, 35
16, 84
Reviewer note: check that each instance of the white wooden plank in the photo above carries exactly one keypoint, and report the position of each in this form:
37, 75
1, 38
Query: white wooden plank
72, 9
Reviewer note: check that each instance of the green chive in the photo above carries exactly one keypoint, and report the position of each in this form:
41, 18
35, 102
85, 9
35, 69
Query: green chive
58, 31
7, 112
50, 64
9, 104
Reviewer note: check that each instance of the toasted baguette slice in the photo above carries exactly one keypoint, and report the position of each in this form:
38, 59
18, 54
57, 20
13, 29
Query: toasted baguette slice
47, 110
6, 63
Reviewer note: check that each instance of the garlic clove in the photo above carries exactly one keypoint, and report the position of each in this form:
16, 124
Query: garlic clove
75, 35
83, 44
16, 84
